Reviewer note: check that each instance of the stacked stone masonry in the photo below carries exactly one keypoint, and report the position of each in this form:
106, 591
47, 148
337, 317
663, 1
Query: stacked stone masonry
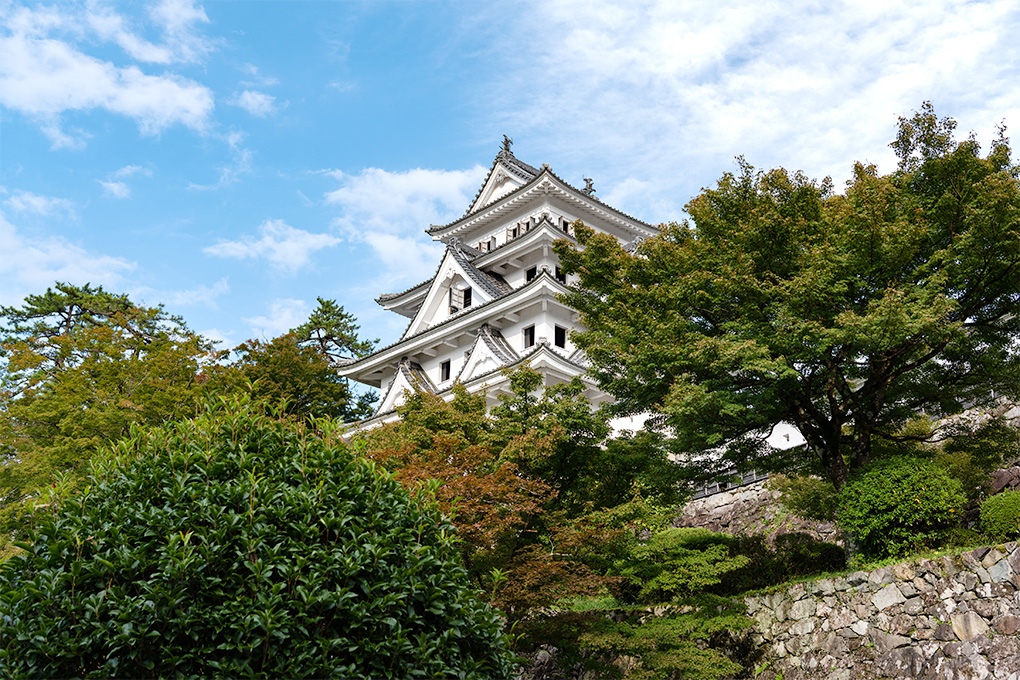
951, 618
751, 510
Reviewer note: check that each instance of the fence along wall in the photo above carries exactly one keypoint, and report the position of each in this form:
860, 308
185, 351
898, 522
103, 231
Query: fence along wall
951, 618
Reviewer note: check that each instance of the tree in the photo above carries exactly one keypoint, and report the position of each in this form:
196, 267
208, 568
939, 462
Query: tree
82, 365
333, 332
843, 314
282, 370
241, 544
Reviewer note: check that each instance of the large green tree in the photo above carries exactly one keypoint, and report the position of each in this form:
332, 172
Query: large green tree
300, 376
844, 314
80, 367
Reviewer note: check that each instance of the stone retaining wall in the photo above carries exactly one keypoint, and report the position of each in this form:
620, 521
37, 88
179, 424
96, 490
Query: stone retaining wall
953, 618
750, 510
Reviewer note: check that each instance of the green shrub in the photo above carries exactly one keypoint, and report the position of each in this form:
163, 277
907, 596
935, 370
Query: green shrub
806, 496
1000, 516
795, 555
899, 504
236, 545
676, 563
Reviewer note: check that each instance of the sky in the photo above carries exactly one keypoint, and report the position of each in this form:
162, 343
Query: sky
234, 160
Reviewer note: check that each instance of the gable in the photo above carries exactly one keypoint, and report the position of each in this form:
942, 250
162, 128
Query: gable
447, 292
489, 353
410, 377
500, 182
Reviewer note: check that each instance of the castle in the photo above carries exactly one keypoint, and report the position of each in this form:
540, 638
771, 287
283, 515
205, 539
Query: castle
492, 303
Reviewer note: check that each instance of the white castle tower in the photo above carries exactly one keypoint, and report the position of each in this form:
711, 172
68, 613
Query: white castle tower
492, 303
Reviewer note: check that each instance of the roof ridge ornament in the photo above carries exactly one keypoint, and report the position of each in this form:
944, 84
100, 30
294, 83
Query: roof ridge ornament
505, 151
589, 188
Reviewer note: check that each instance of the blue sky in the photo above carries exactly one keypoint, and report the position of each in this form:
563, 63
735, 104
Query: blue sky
235, 160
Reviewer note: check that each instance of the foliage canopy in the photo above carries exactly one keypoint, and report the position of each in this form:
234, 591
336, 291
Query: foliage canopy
843, 314
241, 545
81, 366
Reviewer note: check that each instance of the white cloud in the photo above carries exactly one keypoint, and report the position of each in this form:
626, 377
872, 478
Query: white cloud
29, 203
284, 314
223, 339
43, 73
30, 265
115, 189
284, 247
389, 211
256, 103
176, 20
131, 171
199, 295
673, 91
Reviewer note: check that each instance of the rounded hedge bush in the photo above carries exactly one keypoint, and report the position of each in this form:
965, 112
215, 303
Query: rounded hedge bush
1000, 516
899, 504
236, 545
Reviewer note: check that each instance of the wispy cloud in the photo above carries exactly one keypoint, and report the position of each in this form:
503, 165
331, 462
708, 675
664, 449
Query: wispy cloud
285, 248
390, 210
131, 171
256, 103
29, 265
241, 161
34, 204
811, 85
256, 78
115, 189
198, 295
44, 70
283, 314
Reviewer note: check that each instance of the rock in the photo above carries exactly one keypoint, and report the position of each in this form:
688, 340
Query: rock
991, 557
881, 576
824, 587
904, 662
802, 609
904, 571
968, 579
1000, 571
1007, 625
948, 566
907, 588
885, 641
860, 627
834, 645
1014, 560
857, 578
913, 606
968, 626
986, 609
802, 627
944, 631
887, 597
982, 574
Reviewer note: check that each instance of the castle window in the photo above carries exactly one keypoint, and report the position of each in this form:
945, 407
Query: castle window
529, 337
444, 371
561, 336
560, 276
467, 298
530, 274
